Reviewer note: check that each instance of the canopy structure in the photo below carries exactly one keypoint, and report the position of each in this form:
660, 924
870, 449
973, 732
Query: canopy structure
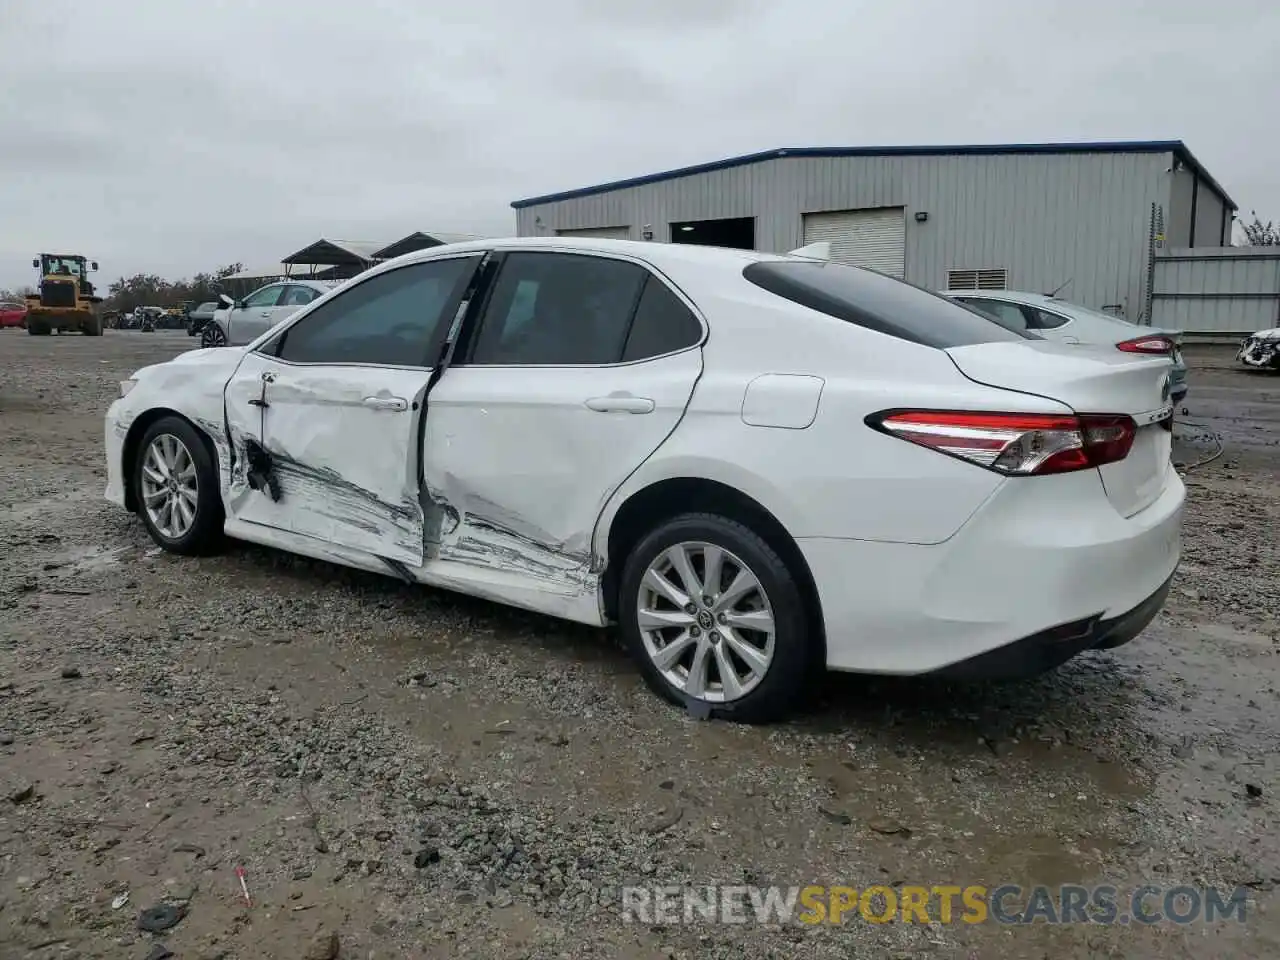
246, 281
420, 240
330, 259
344, 258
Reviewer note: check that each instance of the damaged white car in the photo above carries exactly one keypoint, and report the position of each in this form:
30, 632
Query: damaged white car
1261, 351
754, 464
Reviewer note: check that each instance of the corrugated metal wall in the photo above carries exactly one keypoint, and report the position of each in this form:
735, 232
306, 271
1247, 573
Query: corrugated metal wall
1078, 219
1190, 197
1231, 291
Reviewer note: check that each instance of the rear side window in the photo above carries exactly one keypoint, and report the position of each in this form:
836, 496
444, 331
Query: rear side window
1008, 315
872, 300
1046, 321
662, 324
558, 309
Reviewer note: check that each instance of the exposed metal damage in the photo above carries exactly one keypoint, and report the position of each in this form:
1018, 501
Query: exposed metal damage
488, 544
1261, 351
489, 540
323, 493
348, 486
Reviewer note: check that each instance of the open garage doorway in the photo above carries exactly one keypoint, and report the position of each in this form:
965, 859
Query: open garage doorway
739, 232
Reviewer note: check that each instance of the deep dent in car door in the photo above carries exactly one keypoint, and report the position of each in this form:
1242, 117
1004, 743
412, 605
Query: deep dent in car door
520, 461
332, 456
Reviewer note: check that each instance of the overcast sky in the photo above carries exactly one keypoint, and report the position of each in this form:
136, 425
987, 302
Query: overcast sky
171, 136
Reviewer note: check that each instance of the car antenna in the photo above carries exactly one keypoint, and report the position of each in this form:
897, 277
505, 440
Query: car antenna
1060, 288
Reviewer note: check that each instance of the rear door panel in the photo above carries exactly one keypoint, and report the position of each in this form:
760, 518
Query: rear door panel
520, 459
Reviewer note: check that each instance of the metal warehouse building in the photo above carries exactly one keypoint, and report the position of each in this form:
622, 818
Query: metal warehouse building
1085, 218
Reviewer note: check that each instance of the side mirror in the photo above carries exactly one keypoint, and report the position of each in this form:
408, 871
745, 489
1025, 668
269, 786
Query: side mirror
94, 265
35, 262
226, 301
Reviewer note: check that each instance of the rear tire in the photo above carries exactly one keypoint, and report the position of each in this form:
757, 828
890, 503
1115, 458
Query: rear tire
93, 328
37, 328
175, 486
739, 649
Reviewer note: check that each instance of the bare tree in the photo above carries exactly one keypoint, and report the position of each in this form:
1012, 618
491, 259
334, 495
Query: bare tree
1259, 234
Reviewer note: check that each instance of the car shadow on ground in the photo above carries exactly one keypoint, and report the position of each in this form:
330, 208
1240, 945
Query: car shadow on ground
1094, 691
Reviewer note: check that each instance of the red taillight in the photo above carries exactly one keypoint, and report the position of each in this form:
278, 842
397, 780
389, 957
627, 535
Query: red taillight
1017, 444
1153, 345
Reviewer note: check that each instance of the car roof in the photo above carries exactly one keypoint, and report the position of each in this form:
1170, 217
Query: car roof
1015, 296
650, 251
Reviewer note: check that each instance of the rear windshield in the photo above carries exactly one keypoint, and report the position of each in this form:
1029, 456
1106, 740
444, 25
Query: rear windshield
878, 303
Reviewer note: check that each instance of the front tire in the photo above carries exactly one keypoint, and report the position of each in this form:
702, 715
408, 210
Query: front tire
175, 485
212, 336
715, 620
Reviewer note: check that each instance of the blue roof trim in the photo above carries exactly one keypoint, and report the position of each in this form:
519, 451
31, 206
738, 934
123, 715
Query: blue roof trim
1176, 147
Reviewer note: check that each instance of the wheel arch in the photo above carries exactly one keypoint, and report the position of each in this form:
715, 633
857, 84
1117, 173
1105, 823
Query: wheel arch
664, 499
132, 440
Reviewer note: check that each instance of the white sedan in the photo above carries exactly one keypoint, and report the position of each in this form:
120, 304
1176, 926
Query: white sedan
754, 464
239, 322
1055, 319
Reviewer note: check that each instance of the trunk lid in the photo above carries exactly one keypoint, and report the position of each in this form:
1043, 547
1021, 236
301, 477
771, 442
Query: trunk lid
1091, 380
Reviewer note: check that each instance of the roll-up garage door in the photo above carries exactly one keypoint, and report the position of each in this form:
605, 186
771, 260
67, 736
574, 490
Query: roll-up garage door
876, 238
598, 233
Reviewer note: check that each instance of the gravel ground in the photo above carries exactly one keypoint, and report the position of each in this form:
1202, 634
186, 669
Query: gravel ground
404, 772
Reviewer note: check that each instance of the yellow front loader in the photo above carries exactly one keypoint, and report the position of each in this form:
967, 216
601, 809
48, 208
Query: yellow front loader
65, 299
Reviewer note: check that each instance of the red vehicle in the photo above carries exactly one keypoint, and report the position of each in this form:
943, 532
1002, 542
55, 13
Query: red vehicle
12, 314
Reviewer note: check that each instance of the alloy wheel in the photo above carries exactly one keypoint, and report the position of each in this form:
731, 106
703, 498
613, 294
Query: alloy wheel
212, 336
706, 622
170, 486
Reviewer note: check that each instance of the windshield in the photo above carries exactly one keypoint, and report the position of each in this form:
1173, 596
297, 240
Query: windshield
64, 266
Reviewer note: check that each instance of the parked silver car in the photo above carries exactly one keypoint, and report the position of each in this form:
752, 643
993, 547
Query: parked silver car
1065, 322
237, 322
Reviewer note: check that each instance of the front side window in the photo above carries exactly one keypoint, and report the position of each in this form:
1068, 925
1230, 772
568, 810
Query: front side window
396, 318
266, 297
559, 309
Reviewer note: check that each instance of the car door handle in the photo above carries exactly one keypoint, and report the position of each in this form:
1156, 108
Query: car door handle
1070, 339
386, 403
265, 313
620, 404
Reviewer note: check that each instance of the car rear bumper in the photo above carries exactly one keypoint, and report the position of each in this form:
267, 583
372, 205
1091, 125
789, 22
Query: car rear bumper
1047, 560
1050, 648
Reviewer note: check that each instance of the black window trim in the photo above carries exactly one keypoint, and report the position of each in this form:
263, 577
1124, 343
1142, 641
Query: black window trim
271, 347
479, 309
